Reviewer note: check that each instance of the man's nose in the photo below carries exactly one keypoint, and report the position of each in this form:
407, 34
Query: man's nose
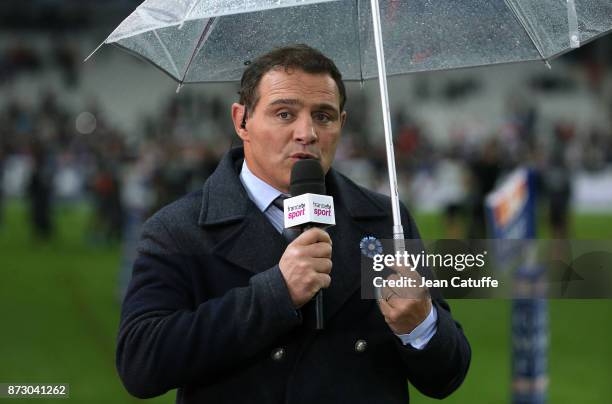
304, 131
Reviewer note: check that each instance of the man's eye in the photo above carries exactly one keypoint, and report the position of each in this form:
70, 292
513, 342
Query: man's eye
284, 115
321, 117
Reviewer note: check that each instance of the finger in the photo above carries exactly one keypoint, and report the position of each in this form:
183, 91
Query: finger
322, 265
323, 281
401, 290
384, 291
403, 270
392, 304
313, 235
409, 291
385, 307
387, 294
395, 291
318, 250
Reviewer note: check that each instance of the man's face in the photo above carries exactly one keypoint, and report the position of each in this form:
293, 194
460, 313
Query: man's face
297, 116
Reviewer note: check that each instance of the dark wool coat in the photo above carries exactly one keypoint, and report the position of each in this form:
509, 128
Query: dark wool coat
207, 311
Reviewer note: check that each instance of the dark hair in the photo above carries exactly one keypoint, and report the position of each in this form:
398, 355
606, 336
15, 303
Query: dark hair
298, 56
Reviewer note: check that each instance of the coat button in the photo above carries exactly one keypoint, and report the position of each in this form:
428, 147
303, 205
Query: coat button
278, 354
360, 345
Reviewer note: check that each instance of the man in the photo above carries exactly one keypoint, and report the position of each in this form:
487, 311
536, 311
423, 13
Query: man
219, 305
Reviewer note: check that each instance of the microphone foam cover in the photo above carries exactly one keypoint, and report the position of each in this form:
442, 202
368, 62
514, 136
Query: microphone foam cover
307, 177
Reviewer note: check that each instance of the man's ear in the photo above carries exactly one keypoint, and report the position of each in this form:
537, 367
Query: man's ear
342, 119
238, 114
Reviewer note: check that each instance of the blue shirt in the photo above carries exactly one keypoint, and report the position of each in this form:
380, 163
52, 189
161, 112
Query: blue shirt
263, 194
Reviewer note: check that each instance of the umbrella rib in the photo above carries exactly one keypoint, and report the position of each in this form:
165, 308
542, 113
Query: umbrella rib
358, 19
168, 55
523, 24
203, 36
186, 16
95, 50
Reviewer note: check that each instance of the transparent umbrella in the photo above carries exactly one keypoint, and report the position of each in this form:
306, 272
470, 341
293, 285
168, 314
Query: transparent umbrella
213, 40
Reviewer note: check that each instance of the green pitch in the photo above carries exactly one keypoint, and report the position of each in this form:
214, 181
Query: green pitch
59, 315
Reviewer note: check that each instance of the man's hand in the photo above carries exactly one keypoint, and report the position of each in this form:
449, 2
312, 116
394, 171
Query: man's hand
405, 308
306, 264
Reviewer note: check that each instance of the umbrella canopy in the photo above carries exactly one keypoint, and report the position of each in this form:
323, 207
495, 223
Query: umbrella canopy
213, 40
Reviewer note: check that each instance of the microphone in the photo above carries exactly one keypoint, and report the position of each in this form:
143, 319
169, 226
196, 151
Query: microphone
309, 207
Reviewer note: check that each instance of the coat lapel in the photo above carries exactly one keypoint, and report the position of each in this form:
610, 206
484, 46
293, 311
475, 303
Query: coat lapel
243, 234
254, 245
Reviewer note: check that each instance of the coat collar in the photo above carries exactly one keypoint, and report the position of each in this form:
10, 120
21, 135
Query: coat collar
225, 200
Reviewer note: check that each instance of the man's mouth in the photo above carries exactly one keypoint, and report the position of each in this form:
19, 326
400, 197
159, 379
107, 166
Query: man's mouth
301, 156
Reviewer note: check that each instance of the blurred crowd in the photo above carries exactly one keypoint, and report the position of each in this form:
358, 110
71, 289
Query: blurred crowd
66, 154
457, 176
62, 15
64, 158
21, 57
53, 153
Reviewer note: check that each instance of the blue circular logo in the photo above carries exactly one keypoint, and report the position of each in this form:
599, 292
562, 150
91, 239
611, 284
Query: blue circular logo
370, 246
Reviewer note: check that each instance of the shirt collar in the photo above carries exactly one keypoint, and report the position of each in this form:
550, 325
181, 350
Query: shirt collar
259, 191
